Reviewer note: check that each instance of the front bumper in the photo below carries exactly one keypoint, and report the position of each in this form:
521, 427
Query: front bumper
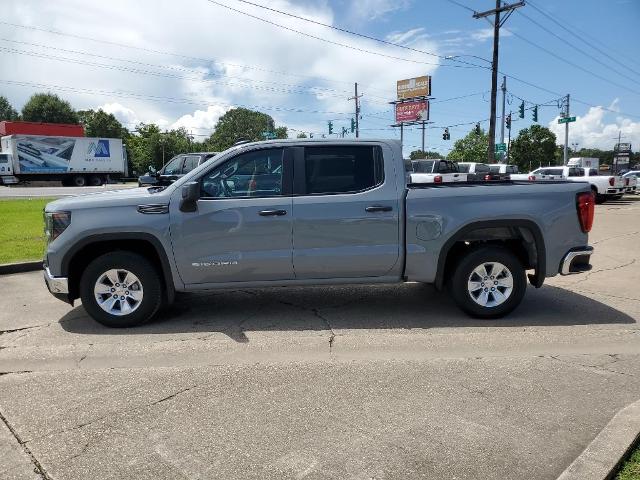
615, 191
58, 286
576, 261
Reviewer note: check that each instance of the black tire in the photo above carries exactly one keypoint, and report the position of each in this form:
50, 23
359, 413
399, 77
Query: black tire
79, 181
95, 180
600, 199
148, 276
462, 273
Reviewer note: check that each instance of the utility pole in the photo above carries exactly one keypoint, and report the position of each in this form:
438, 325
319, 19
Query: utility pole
566, 130
509, 142
497, 23
423, 124
504, 98
356, 97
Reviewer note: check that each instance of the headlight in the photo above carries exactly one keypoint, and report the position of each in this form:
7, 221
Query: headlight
55, 223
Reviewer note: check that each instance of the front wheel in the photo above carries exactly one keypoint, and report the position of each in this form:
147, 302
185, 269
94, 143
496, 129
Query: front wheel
121, 289
488, 282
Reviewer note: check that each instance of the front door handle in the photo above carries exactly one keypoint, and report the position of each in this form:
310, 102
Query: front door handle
272, 213
378, 208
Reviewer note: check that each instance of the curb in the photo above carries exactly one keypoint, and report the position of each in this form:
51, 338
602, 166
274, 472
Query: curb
9, 268
606, 453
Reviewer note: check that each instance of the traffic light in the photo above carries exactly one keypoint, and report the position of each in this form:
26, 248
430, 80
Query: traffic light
535, 113
330, 127
507, 122
477, 129
521, 110
445, 135
353, 125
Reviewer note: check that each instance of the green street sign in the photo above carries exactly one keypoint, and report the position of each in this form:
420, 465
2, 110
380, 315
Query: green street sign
269, 135
567, 120
501, 147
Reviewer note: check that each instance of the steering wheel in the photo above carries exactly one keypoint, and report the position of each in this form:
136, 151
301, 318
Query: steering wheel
228, 191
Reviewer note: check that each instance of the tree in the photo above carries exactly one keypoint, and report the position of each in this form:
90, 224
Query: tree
7, 112
242, 124
472, 148
419, 154
149, 146
48, 107
302, 135
535, 146
101, 124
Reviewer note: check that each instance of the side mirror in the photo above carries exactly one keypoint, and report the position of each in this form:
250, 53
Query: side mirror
190, 196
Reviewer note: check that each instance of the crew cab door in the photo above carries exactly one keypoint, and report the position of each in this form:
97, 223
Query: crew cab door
241, 230
346, 212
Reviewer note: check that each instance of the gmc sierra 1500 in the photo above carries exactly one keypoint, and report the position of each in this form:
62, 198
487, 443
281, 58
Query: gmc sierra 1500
312, 212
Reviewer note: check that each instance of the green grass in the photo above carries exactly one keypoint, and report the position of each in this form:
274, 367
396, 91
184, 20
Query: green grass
21, 231
631, 469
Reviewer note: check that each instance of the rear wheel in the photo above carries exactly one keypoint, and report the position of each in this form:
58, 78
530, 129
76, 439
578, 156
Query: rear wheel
95, 180
121, 289
79, 181
488, 282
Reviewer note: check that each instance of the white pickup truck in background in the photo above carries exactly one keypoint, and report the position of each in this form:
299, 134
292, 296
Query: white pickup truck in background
433, 171
604, 187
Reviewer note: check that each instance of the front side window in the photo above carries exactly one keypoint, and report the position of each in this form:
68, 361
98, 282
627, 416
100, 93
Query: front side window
174, 167
342, 169
554, 171
593, 172
463, 167
251, 174
512, 169
482, 168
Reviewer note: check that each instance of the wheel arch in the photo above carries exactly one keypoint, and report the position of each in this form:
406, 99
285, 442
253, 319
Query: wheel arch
93, 246
524, 237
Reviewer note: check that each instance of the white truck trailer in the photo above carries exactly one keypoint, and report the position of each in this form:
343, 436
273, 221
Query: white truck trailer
76, 161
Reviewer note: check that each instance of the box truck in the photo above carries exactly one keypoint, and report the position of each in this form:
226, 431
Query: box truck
73, 160
584, 162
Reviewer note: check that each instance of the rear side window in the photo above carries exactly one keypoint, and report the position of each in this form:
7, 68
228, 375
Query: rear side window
342, 169
494, 168
482, 168
463, 168
593, 172
554, 171
512, 169
190, 163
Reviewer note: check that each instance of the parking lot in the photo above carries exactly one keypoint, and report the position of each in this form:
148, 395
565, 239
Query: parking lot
357, 382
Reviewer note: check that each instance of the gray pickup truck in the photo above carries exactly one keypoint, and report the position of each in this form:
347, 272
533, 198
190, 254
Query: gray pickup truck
312, 212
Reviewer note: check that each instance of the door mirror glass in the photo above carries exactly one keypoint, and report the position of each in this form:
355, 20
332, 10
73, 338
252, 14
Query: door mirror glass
190, 196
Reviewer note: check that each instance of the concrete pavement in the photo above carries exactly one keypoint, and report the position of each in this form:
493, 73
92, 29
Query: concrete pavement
384, 382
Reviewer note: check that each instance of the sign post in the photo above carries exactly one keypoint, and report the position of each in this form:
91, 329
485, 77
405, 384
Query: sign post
567, 120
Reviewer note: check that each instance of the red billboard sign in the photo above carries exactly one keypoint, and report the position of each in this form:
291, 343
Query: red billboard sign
415, 111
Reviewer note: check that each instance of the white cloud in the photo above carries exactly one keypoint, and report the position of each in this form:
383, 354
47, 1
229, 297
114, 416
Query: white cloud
201, 119
372, 9
250, 63
591, 130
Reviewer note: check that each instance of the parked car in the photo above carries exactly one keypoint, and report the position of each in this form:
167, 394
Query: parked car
304, 212
475, 171
433, 171
174, 169
502, 171
631, 181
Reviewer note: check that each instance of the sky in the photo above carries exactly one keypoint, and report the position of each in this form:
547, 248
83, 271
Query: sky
186, 63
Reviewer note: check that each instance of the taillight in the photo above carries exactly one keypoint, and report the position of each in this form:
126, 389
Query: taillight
487, 177
532, 178
611, 180
585, 204
437, 179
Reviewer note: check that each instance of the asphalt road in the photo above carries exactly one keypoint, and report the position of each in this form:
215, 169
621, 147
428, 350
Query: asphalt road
364, 382
55, 191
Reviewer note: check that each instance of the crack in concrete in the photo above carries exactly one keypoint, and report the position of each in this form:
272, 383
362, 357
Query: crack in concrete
597, 367
332, 335
38, 468
633, 299
17, 372
169, 397
2, 332
614, 237
593, 272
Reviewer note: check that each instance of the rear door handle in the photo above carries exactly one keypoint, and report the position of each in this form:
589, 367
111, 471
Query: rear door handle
378, 208
272, 213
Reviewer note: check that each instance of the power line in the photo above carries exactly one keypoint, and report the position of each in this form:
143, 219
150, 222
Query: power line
326, 40
124, 94
587, 54
575, 65
362, 35
582, 37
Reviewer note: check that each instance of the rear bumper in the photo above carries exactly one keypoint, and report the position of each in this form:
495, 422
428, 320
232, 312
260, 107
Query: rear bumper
576, 261
58, 286
615, 191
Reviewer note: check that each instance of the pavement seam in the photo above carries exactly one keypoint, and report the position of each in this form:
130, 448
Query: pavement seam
39, 469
